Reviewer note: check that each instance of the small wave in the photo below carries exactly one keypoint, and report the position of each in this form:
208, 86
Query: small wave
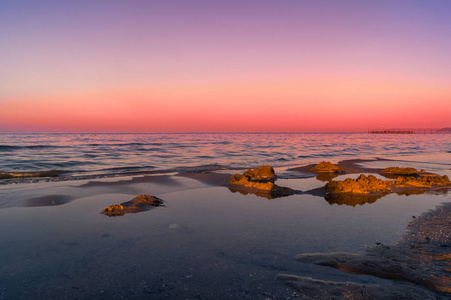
196, 169
6, 148
282, 159
294, 175
119, 144
128, 168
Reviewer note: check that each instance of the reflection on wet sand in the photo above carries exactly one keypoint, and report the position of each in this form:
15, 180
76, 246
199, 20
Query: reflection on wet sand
352, 199
48, 200
419, 261
268, 196
326, 176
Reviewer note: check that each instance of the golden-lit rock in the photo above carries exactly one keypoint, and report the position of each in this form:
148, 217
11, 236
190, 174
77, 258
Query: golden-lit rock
422, 181
361, 185
137, 204
325, 166
394, 172
263, 173
248, 182
244, 181
400, 171
372, 188
115, 210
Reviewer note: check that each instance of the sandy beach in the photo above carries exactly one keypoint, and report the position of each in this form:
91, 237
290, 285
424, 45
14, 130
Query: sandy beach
205, 241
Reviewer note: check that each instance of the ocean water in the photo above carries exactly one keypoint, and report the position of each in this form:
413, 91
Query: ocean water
82, 155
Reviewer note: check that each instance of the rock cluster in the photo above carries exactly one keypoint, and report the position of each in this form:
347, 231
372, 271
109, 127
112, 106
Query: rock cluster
259, 180
244, 181
372, 185
422, 181
361, 185
137, 204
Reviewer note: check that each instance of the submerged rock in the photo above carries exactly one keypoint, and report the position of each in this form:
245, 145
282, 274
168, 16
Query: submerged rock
12, 175
419, 264
137, 204
325, 166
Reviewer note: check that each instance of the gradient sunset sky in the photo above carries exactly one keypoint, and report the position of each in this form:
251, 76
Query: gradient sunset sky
216, 66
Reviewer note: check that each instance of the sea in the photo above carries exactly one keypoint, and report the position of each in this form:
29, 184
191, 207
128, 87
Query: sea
206, 241
75, 156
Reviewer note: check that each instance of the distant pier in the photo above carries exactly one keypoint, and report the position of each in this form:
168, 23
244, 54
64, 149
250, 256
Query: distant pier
446, 130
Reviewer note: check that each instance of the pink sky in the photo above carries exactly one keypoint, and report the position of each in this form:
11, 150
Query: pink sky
212, 66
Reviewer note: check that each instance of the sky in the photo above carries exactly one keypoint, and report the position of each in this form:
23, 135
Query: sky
224, 66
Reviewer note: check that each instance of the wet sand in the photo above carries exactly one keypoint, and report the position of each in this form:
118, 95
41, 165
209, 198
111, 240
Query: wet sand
206, 242
419, 264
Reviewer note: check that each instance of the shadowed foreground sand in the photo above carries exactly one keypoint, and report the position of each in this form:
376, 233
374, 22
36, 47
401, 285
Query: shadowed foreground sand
419, 265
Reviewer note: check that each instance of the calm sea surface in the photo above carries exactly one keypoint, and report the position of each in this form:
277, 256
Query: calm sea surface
78, 155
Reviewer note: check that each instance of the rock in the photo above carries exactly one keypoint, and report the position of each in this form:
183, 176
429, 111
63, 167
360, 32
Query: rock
370, 185
137, 204
361, 185
311, 288
263, 173
422, 181
248, 182
325, 166
12, 175
400, 171
241, 180
394, 172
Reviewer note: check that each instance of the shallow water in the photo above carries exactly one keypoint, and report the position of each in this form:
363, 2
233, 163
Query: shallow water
206, 242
